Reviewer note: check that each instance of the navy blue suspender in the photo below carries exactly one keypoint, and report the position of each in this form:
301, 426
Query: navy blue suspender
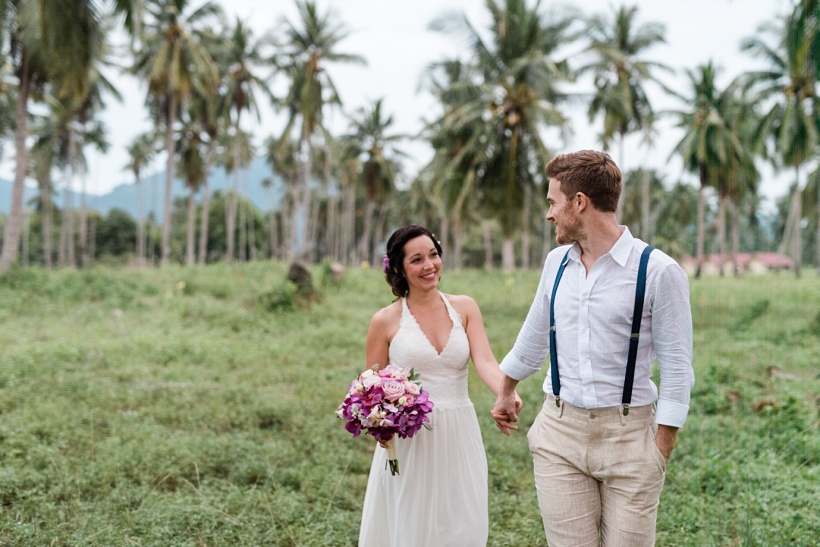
640, 293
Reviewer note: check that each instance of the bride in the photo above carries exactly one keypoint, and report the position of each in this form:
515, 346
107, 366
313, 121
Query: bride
440, 497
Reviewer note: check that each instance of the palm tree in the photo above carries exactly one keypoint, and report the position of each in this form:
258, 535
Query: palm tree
619, 74
141, 151
240, 55
282, 158
43, 154
790, 84
267, 184
739, 176
61, 52
174, 62
309, 46
705, 147
237, 153
453, 166
372, 139
28, 60
518, 99
191, 167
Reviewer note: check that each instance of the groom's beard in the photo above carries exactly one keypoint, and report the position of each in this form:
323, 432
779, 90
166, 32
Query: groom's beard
568, 231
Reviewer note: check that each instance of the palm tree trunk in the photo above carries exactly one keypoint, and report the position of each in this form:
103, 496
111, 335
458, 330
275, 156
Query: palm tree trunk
701, 226
190, 239
251, 228
525, 234
508, 255
274, 236
140, 190
547, 239
71, 217
84, 258
379, 235
230, 220
61, 242
332, 228
304, 209
48, 219
26, 238
488, 245
364, 242
619, 209
348, 224
169, 180
92, 238
797, 244
645, 225
313, 229
721, 232
817, 232
288, 222
444, 235
243, 230
203, 220
735, 235
68, 219
11, 234
458, 234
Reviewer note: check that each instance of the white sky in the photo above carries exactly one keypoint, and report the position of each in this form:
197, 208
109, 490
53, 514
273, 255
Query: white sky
392, 35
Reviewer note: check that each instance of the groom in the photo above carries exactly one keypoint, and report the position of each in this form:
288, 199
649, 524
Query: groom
606, 307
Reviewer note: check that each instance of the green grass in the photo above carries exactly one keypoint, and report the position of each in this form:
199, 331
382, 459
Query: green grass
195, 407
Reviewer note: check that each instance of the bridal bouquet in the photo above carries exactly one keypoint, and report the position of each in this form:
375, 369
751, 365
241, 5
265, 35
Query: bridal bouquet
386, 403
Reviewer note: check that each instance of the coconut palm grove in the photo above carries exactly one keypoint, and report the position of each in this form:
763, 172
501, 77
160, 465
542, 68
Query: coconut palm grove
171, 365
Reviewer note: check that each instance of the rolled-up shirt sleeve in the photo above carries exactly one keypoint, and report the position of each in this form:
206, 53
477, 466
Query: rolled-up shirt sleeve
532, 345
672, 341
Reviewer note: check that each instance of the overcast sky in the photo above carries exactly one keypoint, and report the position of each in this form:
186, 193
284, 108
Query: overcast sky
392, 35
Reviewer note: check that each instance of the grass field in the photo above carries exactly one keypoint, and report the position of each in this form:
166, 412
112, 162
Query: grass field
194, 407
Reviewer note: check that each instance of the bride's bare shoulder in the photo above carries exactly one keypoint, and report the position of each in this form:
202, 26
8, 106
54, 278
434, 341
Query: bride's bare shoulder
387, 317
463, 304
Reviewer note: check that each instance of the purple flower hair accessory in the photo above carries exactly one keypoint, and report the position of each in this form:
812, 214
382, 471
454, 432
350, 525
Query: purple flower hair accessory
386, 263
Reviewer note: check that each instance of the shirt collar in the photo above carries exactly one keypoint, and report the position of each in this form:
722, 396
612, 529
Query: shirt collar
619, 252
623, 247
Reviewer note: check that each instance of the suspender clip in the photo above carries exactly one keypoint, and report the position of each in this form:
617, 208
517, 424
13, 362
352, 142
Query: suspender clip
558, 401
626, 410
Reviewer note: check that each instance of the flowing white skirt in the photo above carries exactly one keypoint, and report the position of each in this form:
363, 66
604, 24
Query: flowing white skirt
439, 499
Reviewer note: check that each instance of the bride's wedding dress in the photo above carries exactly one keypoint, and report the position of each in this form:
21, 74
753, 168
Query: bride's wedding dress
439, 499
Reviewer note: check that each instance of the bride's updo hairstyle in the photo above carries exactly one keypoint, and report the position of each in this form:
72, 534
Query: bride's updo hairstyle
394, 263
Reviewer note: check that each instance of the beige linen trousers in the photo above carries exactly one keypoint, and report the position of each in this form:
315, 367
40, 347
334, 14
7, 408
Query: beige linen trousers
598, 474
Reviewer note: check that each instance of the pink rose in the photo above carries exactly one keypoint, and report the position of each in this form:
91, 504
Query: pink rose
393, 389
390, 371
412, 388
371, 381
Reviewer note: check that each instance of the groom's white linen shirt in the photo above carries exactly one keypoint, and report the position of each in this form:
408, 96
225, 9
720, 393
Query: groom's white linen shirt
593, 321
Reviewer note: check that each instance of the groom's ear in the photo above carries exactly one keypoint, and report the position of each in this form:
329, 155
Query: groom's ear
580, 201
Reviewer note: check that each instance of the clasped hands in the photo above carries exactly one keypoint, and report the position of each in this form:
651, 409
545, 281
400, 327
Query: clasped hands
506, 410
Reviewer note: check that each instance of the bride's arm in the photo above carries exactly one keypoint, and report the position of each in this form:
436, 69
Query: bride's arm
486, 365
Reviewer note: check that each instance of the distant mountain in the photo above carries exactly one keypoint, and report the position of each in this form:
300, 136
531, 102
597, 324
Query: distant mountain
124, 196
5, 195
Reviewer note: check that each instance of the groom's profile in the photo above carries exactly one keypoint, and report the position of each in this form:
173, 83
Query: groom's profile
606, 307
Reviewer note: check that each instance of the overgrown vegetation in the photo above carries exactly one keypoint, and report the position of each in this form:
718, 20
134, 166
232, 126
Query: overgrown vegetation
181, 407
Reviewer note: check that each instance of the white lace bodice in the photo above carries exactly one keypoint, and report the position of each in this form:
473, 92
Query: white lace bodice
444, 375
